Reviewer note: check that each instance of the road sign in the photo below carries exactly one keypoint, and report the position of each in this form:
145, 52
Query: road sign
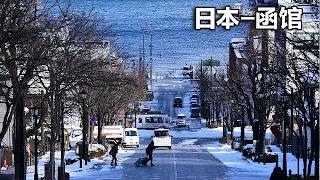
93, 119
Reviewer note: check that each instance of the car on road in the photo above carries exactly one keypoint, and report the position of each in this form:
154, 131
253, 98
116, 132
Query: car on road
194, 105
181, 127
195, 112
177, 102
194, 96
149, 95
181, 120
194, 101
162, 138
145, 110
131, 137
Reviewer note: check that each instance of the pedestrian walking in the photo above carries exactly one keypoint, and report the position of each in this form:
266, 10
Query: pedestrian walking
149, 151
113, 152
278, 174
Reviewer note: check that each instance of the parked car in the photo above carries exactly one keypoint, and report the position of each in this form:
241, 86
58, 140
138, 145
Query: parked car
177, 102
162, 138
75, 137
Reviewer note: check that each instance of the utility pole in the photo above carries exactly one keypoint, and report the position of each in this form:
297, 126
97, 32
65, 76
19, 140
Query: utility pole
143, 54
284, 143
99, 128
151, 60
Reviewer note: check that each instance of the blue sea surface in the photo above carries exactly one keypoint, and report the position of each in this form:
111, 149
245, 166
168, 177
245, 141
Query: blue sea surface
172, 26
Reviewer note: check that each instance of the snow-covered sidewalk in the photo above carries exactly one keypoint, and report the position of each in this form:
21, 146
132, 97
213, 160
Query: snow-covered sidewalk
95, 168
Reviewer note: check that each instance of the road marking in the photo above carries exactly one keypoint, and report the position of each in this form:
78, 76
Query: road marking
175, 166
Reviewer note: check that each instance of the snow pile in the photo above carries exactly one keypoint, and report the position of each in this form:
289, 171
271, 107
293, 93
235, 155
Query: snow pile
102, 163
188, 142
246, 168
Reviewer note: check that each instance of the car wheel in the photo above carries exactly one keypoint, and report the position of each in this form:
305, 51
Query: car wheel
137, 145
169, 147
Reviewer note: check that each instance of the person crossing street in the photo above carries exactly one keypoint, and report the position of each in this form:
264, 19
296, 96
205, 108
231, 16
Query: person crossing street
149, 151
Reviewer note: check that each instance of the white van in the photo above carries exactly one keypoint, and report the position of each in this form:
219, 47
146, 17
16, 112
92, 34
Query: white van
162, 138
131, 137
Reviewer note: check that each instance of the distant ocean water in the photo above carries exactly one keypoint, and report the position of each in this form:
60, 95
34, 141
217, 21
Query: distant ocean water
172, 23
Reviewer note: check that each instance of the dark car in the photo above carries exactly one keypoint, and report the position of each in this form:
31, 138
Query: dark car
194, 96
195, 112
177, 102
181, 127
194, 106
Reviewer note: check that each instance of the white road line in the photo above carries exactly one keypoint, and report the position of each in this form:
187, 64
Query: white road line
175, 166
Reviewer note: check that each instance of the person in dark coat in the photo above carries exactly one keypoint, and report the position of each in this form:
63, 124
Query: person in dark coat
149, 151
113, 153
278, 174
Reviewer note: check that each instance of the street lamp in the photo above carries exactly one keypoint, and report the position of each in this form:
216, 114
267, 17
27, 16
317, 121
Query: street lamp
284, 132
83, 96
35, 114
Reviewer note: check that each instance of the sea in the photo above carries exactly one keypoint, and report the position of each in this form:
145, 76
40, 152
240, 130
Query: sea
171, 25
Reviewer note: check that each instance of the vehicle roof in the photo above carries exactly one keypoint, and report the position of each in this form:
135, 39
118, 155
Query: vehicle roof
131, 129
181, 115
178, 97
161, 129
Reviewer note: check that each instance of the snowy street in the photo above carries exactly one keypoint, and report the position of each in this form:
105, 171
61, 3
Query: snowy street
195, 153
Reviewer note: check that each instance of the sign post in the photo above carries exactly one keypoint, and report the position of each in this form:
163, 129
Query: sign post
93, 119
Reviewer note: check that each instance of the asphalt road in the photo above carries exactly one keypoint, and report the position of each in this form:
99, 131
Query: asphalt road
166, 90
181, 162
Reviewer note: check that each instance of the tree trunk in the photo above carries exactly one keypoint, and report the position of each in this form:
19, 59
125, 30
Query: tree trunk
305, 148
52, 133
260, 146
20, 142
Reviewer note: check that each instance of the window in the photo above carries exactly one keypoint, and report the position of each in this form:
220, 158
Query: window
161, 133
160, 120
131, 133
140, 120
77, 132
148, 119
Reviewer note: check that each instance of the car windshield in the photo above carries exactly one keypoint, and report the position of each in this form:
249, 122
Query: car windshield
131, 133
161, 133
194, 111
194, 96
77, 132
195, 105
177, 100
